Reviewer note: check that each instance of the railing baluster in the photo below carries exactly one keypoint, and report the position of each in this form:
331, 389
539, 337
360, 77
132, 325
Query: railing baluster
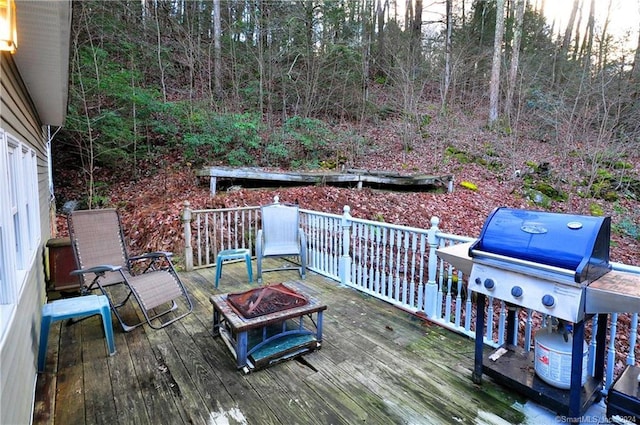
440, 298
591, 367
324, 229
468, 311
405, 283
501, 322
447, 312
199, 238
207, 240
633, 338
330, 243
389, 264
335, 250
528, 329
412, 276
361, 265
514, 335
458, 298
235, 228
377, 268
611, 350
420, 306
318, 241
371, 260
396, 283
353, 244
489, 334
230, 229
312, 241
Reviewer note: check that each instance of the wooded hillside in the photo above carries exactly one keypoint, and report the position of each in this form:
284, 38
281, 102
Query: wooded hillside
521, 116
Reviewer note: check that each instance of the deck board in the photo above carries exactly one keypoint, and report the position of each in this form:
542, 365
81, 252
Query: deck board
377, 365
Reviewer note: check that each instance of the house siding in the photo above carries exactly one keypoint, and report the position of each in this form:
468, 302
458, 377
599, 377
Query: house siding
19, 343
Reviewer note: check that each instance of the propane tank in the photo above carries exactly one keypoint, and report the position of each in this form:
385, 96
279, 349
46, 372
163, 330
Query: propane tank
553, 351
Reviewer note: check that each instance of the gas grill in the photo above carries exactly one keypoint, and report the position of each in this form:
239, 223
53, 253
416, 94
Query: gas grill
538, 260
554, 264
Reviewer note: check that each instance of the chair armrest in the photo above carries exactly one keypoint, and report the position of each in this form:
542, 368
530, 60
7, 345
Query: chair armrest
152, 255
97, 269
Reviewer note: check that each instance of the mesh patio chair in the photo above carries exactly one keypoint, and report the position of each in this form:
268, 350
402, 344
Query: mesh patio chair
104, 264
281, 236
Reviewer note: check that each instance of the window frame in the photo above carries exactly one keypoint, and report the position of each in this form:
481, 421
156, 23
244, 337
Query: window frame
20, 231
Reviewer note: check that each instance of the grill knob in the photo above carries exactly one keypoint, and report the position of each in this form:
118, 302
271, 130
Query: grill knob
489, 283
516, 291
548, 301
478, 281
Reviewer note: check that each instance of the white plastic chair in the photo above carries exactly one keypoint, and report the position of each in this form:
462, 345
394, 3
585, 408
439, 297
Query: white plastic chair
281, 236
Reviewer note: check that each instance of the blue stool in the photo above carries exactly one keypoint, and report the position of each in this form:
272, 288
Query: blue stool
70, 308
233, 254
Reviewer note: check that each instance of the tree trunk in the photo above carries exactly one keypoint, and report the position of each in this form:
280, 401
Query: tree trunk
416, 29
566, 42
380, 12
217, 50
635, 69
515, 56
494, 84
587, 43
447, 55
159, 55
408, 14
604, 40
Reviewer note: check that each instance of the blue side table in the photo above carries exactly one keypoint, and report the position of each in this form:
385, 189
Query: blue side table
233, 254
74, 308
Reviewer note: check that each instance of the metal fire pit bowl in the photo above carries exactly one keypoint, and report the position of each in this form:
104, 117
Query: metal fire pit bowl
265, 300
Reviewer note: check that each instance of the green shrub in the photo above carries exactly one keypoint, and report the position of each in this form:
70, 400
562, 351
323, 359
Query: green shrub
232, 138
596, 210
309, 139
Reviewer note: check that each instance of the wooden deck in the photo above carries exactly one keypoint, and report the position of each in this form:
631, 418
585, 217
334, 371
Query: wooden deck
377, 365
257, 177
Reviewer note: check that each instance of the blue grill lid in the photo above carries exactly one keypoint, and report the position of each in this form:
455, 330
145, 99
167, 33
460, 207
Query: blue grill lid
573, 242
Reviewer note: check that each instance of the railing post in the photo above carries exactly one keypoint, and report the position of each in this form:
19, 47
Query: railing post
188, 249
431, 288
345, 259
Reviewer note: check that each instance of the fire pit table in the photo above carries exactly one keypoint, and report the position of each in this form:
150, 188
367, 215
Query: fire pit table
268, 325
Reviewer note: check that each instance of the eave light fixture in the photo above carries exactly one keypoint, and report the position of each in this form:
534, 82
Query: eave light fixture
8, 29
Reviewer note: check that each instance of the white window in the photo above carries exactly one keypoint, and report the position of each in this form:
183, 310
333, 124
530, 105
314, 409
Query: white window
19, 223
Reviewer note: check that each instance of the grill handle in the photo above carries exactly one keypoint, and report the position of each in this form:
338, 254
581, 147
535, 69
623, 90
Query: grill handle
523, 263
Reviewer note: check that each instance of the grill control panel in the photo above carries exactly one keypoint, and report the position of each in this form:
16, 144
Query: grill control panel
562, 300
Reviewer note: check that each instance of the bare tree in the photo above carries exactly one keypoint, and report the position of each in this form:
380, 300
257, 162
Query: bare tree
604, 37
566, 42
217, 50
159, 54
515, 56
494, 84
416, 29
587, 43
447, 55
635, 70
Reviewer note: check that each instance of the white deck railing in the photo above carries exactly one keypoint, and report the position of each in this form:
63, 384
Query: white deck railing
397, 264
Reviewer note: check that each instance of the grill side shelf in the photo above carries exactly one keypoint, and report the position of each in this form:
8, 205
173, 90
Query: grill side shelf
615, 292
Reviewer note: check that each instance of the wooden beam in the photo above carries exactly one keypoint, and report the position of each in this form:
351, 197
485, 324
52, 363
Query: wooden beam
359, 177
